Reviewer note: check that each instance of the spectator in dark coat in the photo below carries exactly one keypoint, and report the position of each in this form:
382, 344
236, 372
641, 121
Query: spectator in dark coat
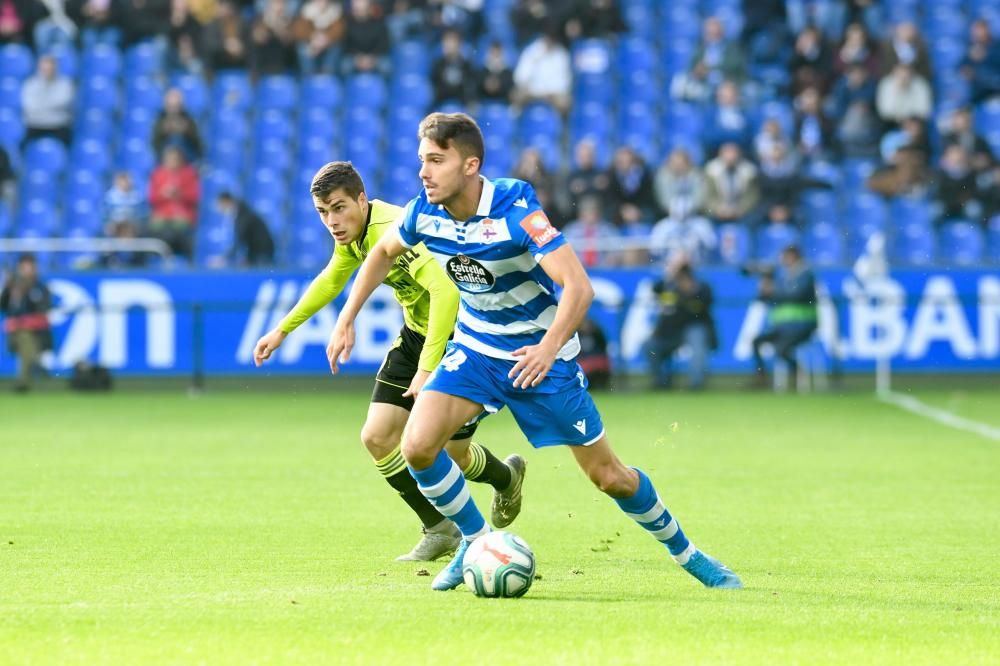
274, 50
632, 187
141, 20
25, 302
252, 244
366, 40
981, 65
225, 39
175, 126
452, 75
496, 79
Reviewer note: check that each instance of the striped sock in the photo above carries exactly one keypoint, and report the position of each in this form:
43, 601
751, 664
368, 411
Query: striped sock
484, 467
646, 508
393, 468
444, 486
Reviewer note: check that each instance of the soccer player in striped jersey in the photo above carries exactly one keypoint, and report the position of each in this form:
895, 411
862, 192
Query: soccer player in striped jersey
430, 302
514, 343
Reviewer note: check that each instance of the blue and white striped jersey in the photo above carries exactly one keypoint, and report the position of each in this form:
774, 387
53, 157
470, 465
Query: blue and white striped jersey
508, 301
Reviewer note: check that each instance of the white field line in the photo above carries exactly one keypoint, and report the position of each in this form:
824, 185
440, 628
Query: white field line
942, 416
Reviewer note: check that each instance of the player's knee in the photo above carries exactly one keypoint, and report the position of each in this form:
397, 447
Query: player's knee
378, 441
418, 451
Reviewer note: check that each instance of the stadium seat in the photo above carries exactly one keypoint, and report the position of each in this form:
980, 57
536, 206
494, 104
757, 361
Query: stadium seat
46, 153
411, 57
540, 119
681, 23
273, 154
138, 123
594, 89
496, 119
993, 240
229, 122
961, 243
823, 244
277, 92
321, 91
231, 89
85, 183
311, 247
273, 124
93, 154
592, 57
101, 60
84, 215
773, 238
5, 220
38, 219
591, 121
414, 88
227, 154
636, 54
143, 59
67, 61
267, 182
38, 183
11, 129
367, 90
640, 19
195, 91
10, 94
136, 156
820, 205
867, 208
317, 121
734, 244
914, 245
912, 210
987, 117
143, 92
100, 92
640, 86
94, 124
16, 61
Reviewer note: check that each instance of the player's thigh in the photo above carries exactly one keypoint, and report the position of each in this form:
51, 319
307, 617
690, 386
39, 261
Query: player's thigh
435, 418
383, 428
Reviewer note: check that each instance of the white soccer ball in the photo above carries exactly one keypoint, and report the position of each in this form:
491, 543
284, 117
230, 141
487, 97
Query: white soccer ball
499, 564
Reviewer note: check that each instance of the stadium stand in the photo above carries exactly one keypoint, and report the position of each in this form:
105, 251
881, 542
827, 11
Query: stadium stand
644, 87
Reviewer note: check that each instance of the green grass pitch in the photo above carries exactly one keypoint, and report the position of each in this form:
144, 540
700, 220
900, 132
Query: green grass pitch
239, 528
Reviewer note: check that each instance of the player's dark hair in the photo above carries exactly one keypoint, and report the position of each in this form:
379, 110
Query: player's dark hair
454, 129
335, 176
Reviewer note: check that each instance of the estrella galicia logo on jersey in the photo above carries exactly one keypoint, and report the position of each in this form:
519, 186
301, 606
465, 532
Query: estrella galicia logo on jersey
538, 227
469, 274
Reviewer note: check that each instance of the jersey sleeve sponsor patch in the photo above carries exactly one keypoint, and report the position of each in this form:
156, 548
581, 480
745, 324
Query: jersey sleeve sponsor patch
538, 227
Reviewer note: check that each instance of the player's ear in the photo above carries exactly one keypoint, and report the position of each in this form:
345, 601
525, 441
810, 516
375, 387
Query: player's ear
471, 166
362, 199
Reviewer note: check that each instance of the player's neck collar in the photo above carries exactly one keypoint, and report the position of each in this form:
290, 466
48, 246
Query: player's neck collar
486, 198
368, 219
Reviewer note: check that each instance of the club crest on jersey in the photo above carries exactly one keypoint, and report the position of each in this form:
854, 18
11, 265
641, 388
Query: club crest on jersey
539, 228
469, 274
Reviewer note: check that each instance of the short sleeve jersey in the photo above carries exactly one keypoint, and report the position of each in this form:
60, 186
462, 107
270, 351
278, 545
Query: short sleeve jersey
507, 299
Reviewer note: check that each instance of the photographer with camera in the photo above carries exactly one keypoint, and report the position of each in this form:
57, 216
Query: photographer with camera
790, 291
25, 303
684, 318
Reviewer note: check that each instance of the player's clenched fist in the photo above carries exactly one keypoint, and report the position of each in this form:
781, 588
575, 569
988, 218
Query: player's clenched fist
341, 344
267, 345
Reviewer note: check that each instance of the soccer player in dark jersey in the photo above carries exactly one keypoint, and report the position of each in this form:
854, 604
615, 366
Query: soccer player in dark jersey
430, 303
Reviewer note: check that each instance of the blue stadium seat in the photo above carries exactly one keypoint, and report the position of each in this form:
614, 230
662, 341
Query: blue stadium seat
136, 156
993, 240
37, 219
681, 23
912, 210
987, 117
868, 208
100, 92
734, 244
10, 94
496, 119
414, 88
273, 154
411, 57
859, 232
11, 129
214, 240
195, 91
143, 59
640, 19
226, 153
540, 119
94, 124
638, 118
636, 54
914, 245
321, 91
314, 152
684, 119
138, 123
594, 89
84, 215
311, 246
367, 90
962, 243
232, 89
67, 61
773, 238
824, 244
5, 220
144, 92
215, 181
231, 123
367, 161
45, 153
640, 86
855, 174
404, 120
16, 61
101, 60
38, 183
277, 92
820, 205
264, 181
592, 57
362, 123
317, 121
273, 124
85, 183
93, 155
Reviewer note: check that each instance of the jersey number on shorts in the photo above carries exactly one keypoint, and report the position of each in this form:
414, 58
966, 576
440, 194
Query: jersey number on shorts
453, 359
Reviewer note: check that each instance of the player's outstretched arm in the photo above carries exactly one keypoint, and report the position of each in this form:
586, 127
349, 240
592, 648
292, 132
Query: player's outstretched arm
373, 270
535, 361
444, 300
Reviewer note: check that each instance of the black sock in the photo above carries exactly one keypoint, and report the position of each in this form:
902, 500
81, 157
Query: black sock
484, 467
394, 469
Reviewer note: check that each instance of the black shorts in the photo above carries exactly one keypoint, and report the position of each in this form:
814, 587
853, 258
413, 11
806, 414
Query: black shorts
398, 369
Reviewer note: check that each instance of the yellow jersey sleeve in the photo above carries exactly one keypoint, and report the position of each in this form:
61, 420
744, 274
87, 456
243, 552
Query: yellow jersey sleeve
324, 288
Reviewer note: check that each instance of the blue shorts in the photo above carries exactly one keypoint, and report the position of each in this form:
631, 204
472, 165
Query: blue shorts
558, 411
